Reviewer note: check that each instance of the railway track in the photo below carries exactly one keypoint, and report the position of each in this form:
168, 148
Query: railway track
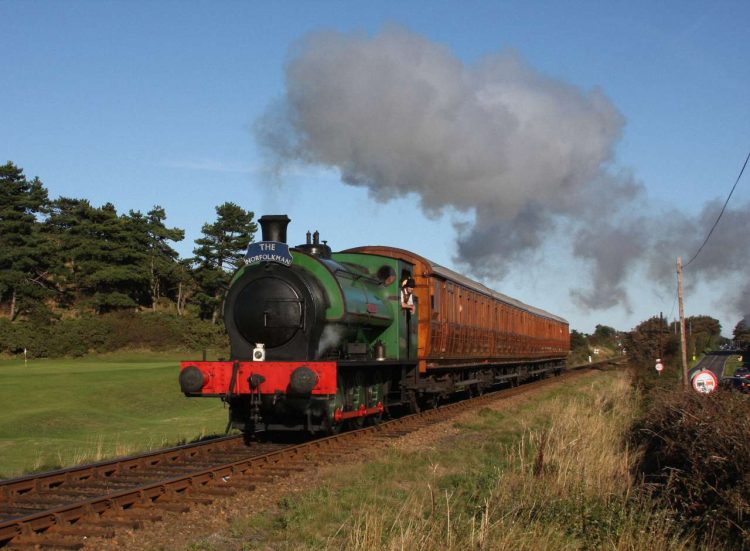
61, 509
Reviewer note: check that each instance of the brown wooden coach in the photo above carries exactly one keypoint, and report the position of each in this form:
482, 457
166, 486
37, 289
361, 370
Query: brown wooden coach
462, 323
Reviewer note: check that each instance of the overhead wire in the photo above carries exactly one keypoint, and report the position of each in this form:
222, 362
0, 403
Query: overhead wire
674, 302
720, 214
742, 170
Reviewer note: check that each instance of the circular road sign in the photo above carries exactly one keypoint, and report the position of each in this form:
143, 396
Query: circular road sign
705, 382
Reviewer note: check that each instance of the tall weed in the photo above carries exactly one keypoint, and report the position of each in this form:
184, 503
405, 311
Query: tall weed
552, 474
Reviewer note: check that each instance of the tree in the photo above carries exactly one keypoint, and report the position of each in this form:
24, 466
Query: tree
162, 259
650, 340
24, 254
703, 333
219, 252
605, 336
704, 324
578, 340
63, 226
604, 332
742, 333
187, 286
105, 256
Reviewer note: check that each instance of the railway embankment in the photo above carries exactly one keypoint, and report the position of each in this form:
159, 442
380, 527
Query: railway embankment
594, 459
695, 460
554, 468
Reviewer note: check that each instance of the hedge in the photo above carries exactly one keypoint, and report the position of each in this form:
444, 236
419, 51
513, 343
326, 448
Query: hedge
108, 333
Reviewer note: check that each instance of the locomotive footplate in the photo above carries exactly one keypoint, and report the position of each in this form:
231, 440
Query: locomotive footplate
316, 396
266, 378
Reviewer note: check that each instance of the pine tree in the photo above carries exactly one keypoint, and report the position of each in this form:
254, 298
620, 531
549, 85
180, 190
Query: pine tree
162, 259
219, 252
64, 226
105, 255
24, 252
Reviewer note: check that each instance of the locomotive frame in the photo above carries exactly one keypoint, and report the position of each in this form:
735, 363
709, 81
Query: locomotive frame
343, 352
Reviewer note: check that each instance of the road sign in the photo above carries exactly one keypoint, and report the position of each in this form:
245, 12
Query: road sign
705, 382
659, 366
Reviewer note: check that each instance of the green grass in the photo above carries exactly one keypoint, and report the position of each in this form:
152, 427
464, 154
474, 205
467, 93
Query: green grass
57, 413
547, 473
733, 362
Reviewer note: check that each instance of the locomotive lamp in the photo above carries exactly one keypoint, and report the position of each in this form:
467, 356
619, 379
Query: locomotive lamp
259, 352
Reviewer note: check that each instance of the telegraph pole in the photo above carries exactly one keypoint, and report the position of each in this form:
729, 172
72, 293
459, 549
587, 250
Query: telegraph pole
683, 345
661, 323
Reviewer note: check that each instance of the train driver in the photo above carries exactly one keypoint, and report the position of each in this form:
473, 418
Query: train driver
407, 295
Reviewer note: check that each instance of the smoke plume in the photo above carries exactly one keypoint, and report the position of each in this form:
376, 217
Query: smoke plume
524, 153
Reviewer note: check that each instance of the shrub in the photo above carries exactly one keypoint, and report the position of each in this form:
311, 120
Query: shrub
696, 460
108, 333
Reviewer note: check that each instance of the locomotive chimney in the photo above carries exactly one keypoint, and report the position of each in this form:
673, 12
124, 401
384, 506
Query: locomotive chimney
273, 227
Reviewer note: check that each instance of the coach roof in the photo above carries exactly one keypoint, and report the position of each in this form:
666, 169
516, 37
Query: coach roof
446, 273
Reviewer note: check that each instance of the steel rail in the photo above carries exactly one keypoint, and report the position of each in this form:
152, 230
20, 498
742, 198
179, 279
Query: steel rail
156, 482
18, 486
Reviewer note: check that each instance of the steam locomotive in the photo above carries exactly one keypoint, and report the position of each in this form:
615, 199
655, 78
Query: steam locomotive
320, 340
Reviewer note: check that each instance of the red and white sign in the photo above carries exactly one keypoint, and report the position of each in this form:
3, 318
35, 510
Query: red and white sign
659, 366
705, 382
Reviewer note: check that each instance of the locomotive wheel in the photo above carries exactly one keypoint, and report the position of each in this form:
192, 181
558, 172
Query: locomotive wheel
358, 394
375, 394
332, 427
374, 419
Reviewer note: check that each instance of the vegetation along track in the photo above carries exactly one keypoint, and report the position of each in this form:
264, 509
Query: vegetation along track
62, 508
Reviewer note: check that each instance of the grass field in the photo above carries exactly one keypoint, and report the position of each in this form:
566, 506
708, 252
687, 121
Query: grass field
57, 413
733, 362
548, 473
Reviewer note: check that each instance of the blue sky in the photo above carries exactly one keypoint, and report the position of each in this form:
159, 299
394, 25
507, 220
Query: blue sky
144, 103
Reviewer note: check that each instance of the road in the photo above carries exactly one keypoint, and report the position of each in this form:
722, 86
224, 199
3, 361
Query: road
713, 361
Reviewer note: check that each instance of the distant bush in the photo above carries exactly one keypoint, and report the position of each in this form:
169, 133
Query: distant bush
108, 333
696, 461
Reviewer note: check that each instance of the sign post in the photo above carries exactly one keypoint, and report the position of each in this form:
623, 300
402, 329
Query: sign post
705, 382
683, 345
659, 366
